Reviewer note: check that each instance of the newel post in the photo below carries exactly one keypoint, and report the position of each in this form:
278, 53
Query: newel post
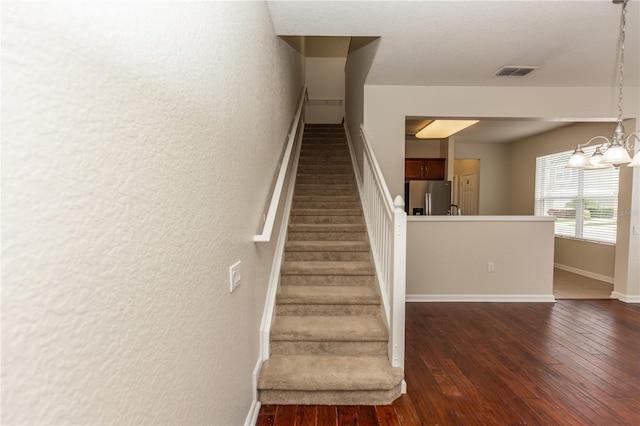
398, 293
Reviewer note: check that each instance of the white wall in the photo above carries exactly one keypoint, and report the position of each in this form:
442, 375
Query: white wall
133, 177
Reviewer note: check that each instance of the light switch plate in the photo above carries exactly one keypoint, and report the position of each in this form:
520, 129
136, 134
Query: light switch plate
234, 276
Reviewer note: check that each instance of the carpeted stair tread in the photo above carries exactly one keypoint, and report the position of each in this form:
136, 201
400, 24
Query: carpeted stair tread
343, 328
323, 212
307, 372
326, 268
326, 280
327, 227
339, 295
327, 251
324, 190
327, 246
329, 199
328, 341
314, 160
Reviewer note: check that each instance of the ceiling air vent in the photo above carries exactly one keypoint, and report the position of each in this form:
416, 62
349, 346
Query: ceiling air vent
514, 71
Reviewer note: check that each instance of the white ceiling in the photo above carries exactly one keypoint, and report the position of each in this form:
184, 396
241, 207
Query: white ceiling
491, 130
463, 43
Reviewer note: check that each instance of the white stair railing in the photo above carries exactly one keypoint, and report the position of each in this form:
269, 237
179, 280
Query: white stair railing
285, 167
387, 227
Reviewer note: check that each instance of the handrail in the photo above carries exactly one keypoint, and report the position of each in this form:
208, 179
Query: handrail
387, 227
267, 229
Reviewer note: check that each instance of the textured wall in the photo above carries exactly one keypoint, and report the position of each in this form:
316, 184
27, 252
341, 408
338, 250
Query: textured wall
139, 144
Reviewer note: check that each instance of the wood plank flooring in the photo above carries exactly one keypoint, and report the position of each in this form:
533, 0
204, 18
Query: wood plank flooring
574, 362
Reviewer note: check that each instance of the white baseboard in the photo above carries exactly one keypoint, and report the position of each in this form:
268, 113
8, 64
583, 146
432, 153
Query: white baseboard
624, 298
480, 298
584, 273
254, 410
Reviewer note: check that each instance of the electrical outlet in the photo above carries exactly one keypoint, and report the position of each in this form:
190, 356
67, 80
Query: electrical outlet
234, 276
491, 267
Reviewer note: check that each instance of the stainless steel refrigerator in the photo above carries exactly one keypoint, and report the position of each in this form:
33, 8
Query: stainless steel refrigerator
428, 197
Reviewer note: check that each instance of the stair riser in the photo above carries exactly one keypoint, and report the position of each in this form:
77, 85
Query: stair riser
324, 180
346, 178
327, 228
340, 256
315, 160
327, 236
323, 190
327, 280
356, 220
339, 131
326, 310
323, 211
319, 148
331, 397
322, 143
325, 152
322, 170
325, 199
324, 133
328, 348
327, 204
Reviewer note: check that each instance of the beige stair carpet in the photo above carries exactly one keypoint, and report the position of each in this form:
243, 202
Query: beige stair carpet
328, 341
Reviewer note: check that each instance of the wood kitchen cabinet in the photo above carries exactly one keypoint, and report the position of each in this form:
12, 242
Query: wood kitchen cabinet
424, 168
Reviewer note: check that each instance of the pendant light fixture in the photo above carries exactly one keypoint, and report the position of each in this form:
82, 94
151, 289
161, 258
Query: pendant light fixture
615, 150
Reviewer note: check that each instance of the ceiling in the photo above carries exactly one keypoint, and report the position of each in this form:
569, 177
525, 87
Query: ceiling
463, 43
493, 130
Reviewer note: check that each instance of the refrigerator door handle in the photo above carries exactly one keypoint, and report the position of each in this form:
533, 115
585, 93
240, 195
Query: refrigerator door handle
427, 202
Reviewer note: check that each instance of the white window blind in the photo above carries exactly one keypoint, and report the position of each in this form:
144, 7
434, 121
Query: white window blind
583, 202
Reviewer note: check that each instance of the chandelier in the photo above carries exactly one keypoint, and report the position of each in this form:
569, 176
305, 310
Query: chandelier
612, 151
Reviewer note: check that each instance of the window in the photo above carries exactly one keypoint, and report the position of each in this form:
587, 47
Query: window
583, 202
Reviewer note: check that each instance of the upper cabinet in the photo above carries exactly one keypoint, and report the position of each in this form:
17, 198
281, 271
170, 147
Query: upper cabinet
424, 168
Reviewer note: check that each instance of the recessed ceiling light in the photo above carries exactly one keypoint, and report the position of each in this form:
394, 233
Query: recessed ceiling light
441, 129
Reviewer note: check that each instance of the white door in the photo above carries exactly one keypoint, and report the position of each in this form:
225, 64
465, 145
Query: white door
469, 194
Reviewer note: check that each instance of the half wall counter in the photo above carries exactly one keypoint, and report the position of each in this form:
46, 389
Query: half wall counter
480, 258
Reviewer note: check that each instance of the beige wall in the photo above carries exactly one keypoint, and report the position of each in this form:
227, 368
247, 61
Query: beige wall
325, 80
130, 184
587, 258
494, 175
387, 106
356, 71
447, 259
422, 148
590, 258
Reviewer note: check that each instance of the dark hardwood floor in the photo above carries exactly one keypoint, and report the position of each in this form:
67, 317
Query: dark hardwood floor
574, 362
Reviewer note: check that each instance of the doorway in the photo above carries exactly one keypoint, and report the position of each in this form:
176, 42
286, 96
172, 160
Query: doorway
466, 183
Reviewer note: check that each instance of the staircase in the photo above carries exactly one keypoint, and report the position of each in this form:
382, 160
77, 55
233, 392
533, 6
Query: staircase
328, 340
